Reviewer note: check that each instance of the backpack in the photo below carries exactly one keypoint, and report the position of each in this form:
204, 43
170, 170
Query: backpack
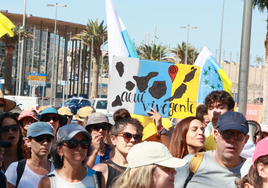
194, 165
20, 170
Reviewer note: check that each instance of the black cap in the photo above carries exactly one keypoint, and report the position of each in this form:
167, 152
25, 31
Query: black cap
232, 120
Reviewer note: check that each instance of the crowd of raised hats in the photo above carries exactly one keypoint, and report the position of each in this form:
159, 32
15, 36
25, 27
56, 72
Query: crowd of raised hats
46, 149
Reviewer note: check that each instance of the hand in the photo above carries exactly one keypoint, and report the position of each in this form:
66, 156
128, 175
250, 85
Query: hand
157, 118
96, 142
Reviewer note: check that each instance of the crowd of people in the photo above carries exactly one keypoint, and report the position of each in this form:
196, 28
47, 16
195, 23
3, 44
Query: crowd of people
217, 148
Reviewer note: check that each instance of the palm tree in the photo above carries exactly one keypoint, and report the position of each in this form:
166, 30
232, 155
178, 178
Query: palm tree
146, 51
94, 31
262, 5
10, 43
180, 52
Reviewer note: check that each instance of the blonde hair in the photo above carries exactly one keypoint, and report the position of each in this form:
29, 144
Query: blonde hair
141, 177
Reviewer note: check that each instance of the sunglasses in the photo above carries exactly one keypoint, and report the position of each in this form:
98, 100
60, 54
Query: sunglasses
14, 128
128, 136
72, 144
49, 118
49, 138
98, 127
239, 136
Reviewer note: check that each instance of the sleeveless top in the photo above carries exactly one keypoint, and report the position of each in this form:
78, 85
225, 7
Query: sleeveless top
112, 173
56, 181
105, 157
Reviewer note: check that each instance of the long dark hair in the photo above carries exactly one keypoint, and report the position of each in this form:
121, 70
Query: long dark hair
178, 145
20, 142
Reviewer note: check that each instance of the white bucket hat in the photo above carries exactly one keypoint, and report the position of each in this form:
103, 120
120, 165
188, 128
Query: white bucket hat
147, 153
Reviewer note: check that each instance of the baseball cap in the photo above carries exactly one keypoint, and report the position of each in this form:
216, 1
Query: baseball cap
260, 150
39, 128
147, 153
67, 132
52, 110
232, 120
27, 114
4, 144
97, 118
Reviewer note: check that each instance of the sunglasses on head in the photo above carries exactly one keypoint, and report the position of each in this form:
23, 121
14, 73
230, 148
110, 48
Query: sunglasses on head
98, 127
14, 128
49, 138
48, 118
128, 136
72, 144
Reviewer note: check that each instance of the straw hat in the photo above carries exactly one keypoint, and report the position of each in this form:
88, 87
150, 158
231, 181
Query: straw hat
42, 108
84, 112
65, 111
9, 104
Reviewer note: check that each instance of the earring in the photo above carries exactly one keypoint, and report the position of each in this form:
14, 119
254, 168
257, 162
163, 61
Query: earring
60, 158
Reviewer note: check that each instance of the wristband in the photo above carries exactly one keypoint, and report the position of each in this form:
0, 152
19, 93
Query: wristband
162, 131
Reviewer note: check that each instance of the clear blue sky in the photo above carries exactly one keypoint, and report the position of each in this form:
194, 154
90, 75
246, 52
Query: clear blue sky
140, 16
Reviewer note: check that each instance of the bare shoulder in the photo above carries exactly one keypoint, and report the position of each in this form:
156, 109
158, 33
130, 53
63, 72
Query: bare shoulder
44, 182
100, 167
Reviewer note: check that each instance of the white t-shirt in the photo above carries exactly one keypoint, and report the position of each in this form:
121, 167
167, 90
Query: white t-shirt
28, 179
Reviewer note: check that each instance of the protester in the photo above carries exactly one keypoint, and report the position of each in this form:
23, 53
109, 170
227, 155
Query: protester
187, 137
150, 165
222, 166
257, 136
26, 118
69, 152
6, 104
51, 116
83, 113
260, 164
124, 135
122, 113
3, 145
218, 103
97, 124
10, 132
202, 114
246, 181
39, 141
65, 111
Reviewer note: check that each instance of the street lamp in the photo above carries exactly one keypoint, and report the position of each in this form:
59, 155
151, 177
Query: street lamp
54, 47
187, 40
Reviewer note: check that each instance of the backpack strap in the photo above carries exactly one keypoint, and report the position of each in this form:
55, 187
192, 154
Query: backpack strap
20, 170
194, 165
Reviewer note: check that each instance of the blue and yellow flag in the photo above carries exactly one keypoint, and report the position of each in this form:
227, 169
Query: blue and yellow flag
6, 26
212, 76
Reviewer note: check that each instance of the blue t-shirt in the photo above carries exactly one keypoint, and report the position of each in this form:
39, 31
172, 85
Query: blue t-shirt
104, 157
3, 180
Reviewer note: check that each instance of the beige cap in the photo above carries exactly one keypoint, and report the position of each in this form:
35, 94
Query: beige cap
65, 111
84, 112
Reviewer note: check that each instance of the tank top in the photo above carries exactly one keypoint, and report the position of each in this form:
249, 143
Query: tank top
112, 173
56, 181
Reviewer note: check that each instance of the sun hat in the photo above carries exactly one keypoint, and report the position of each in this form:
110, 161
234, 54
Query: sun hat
27, 114
4, 144
84, 112
97, 118
51, 110
232, 120
16, 110
9, 104
41, 108
147, 153
39, 128
67, 132
65, 111
260, 150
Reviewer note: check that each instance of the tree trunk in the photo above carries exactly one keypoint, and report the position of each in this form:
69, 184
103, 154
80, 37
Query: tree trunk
94, 87
265, 86
9, 50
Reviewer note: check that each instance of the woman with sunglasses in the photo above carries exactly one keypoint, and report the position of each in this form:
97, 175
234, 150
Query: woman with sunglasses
10, 132
97, 124
69, 152
124, 135
39, 141
51, 116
